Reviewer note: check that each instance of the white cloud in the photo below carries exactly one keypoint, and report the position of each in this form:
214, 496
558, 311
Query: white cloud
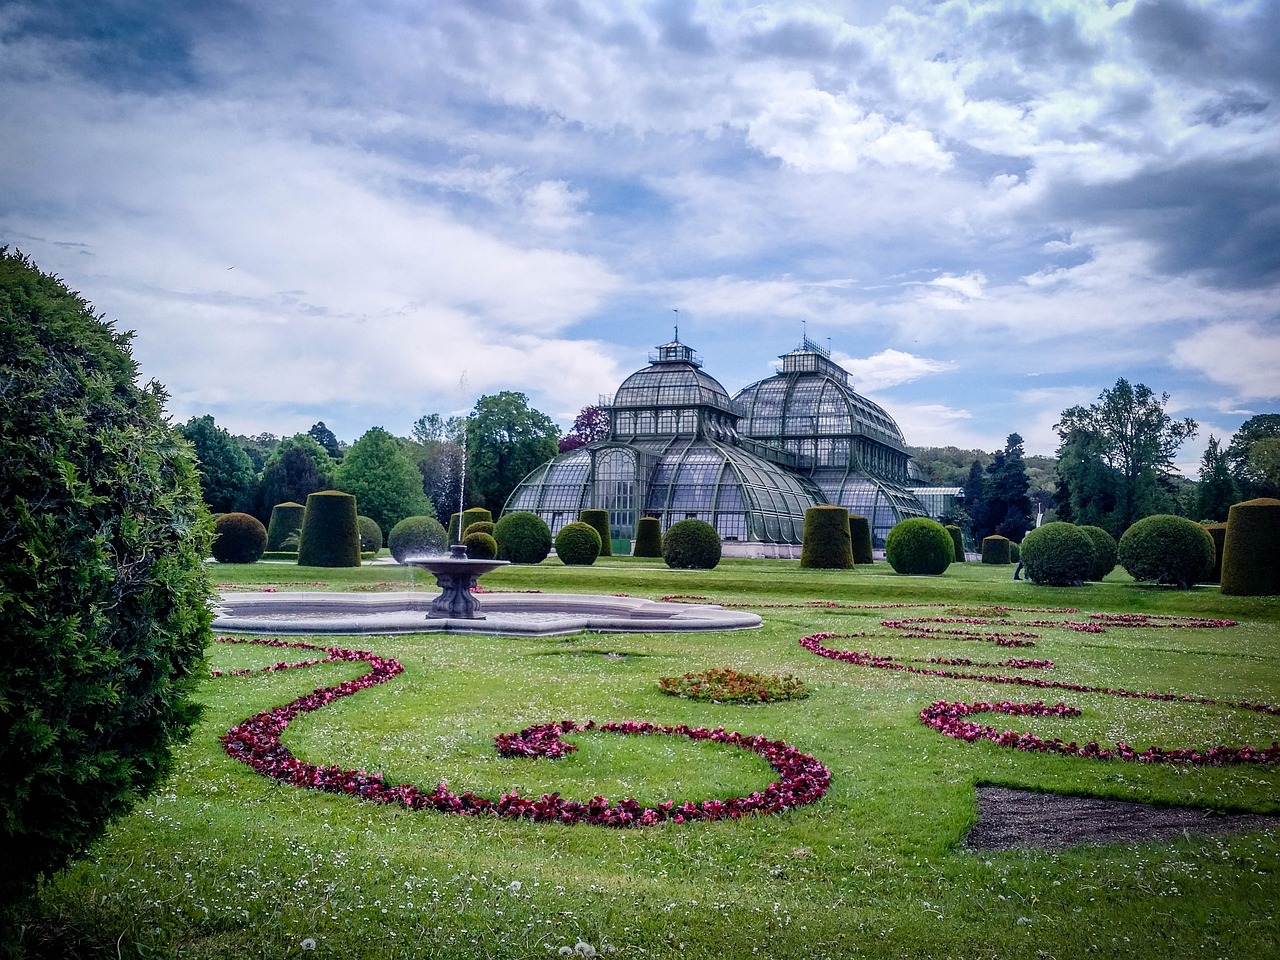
1243, 357
889, 368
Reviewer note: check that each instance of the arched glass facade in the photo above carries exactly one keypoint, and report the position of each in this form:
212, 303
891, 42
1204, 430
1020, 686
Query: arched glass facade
681, 448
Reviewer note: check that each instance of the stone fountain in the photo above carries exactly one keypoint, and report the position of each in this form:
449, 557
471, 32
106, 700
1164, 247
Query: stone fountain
456, 575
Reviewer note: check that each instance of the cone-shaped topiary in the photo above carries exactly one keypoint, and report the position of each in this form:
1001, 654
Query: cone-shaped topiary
919, 545
1104, 552
957, 538
1251, 557
286, 522
1057, 555
455, 531
238, 538
480, 526
691, 545
1218, 534
330, 533
523, 537
827, 544
578, 544
648, 537
370, 534
995, 550
860, 539
480, 545
1167, 549
473, 515
417, 537
599, 519
1015, 552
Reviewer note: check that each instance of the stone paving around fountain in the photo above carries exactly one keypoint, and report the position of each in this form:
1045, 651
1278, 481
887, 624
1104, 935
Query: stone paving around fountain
514, 614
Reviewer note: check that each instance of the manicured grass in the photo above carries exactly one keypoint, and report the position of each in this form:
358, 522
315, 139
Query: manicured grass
224, 862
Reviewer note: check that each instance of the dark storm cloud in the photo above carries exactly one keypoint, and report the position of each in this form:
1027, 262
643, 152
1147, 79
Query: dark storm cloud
793, 39
679, 30
1034, 41
1175, 37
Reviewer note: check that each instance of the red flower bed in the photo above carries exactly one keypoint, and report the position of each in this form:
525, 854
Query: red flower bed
256, 741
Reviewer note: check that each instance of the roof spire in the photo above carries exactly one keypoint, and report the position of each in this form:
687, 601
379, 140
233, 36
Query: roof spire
676, 311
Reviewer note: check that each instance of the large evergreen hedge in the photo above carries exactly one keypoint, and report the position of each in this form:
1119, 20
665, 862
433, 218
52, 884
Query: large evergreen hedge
1057, 554
599, 519
1251, 557
286, 522
417, 537
957, 539
1105, 551
480, 545
648, 537
472, 515
330, 531
691, 545
578, 544
104, 612
826, 543
370, 534
523, 537
995, 550
860, 539
919, 545
1218, 534
1166, 549
238, 538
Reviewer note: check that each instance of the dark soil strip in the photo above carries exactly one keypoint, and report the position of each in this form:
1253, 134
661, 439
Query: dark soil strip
1011, 819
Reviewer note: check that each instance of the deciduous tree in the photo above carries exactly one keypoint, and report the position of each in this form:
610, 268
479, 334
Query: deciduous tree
379, 472
227, 475
506, 439
1217, 489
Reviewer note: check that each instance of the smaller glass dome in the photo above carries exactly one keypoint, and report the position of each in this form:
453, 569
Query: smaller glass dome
674, 378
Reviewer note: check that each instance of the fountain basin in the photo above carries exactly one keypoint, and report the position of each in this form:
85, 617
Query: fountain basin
509, 614
456, 575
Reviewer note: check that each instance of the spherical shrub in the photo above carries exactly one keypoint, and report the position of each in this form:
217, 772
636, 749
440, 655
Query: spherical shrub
416, 537
330, 533
919, 545
648, 537
1218, 534
599, 519
1015, 552
285, 526
860, 539
523, 537
691, 545
1167, 549
370, 534
1057, 555
957, 539
480, 526
105, 616
473, 515
480, 545
238, 538
578, 544
1251, 555
826, 542
1104, 552
995, 550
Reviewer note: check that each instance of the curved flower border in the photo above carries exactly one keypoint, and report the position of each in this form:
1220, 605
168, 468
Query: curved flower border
257, 742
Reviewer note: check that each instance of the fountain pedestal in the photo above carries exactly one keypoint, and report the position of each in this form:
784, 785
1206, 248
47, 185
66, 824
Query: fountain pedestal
456, 574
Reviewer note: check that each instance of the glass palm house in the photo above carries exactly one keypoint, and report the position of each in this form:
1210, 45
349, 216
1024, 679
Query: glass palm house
679, 447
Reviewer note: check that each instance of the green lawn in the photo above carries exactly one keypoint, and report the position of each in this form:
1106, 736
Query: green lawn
224, 862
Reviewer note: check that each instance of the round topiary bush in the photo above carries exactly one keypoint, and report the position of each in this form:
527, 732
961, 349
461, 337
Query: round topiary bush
285, 526
919, 545
691, 545
523, 537
238, 538
417, 537
480, 526
1218, 534
995, 550
860, 539
826, 544
330, 532
957, 539
370, 534
578, 544
599, 519
1251, 555
1015, 552
1057, 554
1104, 552
1167, 549
480, 545
469, 516
648, 537
105, 613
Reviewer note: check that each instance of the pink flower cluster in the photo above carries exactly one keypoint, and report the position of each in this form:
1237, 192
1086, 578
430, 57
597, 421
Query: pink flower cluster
1161, 621
951, 719
257, 742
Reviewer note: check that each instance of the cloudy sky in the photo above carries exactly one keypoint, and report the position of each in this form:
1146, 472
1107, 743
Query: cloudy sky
361, 212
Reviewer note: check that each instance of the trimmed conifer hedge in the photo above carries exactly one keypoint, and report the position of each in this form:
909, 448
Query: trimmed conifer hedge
691, 545
1218, 534
578, 544
995, 550
330, 532
472, 515
480, 526
1057, 554
523, 537
1166, 549
1105, 550
957, 538
919, 545
238, 538
827, 544
370, 535
286, 522
480, 545
417, 537
599, 519
648, 537
860, 539
1251, 556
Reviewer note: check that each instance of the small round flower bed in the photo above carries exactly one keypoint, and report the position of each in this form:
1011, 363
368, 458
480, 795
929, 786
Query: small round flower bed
724, 685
